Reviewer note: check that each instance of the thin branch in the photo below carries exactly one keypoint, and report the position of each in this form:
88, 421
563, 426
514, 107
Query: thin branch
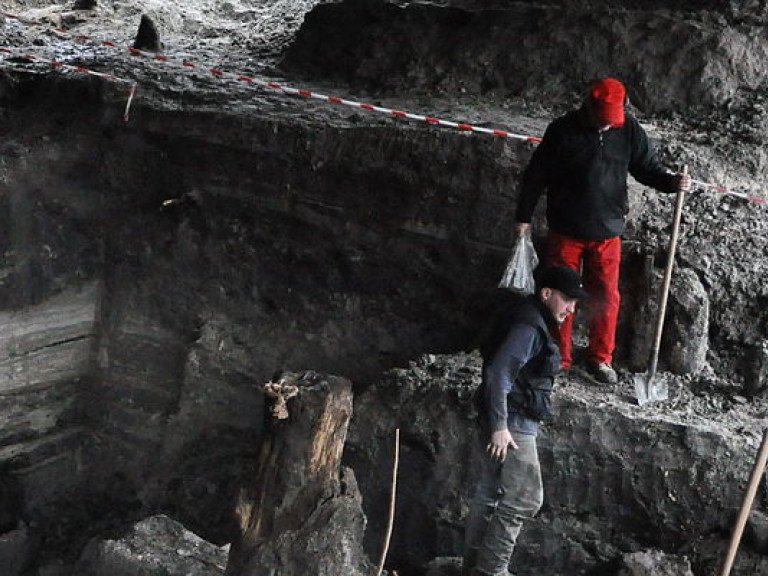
391, 503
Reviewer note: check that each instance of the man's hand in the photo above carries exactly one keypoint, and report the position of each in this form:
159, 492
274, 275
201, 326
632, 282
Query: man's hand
523, 228
501, 440
683, 181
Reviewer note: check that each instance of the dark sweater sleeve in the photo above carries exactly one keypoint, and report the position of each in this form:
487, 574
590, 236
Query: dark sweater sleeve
522, 343
645, 166
536, 176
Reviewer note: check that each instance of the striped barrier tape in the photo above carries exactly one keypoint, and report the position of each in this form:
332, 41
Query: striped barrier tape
81, 69
723, 190
285, 89
217, 72
310, 94
22, 20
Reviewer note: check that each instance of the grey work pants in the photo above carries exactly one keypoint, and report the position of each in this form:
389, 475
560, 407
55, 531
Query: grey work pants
509, 493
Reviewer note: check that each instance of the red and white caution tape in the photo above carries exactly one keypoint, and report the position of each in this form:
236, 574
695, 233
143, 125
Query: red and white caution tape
131, 95
323, 97
391, 112
61, 65
343, 101
292, 91
217, 72
723, 190
22, 20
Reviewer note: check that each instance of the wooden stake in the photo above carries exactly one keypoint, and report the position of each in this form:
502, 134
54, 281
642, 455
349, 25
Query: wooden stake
391, 503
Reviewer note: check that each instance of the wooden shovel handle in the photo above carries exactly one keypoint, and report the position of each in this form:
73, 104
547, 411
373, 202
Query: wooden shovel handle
746, 505
667, 277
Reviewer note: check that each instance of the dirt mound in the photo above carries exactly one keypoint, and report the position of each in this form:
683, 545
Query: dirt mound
670, 60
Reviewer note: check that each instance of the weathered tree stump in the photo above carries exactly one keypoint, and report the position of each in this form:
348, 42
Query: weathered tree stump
301, 514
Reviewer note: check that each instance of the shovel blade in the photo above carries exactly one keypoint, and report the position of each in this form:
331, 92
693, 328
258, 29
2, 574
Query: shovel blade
650, 388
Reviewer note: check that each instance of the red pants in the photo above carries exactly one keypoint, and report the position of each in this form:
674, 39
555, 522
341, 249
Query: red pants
599, 262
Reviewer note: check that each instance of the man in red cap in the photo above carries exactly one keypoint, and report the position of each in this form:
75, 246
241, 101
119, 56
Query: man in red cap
582, 164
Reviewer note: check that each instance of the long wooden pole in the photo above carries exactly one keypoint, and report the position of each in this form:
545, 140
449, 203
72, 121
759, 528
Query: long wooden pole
391, 503
746, 505
654, 359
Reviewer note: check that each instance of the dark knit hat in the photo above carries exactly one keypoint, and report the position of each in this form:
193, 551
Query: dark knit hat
607, 96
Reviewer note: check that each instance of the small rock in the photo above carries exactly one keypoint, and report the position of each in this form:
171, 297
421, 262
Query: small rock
655, 563
445, 566
756, 531
147, 37
84, 5
757, 377
152, 547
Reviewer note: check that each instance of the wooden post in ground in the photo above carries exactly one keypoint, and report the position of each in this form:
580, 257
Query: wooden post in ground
296, 488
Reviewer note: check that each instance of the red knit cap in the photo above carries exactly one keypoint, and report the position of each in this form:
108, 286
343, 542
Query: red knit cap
608, 96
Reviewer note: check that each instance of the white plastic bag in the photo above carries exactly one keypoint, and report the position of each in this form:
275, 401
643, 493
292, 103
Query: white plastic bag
518, 276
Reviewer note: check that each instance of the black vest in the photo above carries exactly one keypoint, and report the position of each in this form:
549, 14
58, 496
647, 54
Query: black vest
532, 394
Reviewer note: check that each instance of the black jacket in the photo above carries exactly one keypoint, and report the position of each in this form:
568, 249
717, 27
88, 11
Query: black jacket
584, 173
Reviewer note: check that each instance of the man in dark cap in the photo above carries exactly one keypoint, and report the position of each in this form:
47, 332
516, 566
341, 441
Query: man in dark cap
582, 165
520, 362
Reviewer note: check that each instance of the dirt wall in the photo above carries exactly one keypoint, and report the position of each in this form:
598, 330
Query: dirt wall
669, 60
